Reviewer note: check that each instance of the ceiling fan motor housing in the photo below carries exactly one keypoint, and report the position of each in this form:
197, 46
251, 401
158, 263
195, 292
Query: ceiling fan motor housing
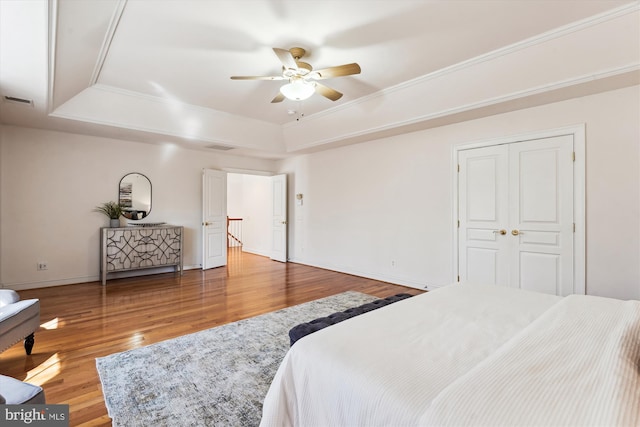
297, 52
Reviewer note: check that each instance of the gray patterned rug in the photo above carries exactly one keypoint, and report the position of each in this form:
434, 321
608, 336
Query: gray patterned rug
216, 377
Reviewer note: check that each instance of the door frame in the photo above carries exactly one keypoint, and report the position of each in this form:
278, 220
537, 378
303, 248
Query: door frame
270, 175
578, 133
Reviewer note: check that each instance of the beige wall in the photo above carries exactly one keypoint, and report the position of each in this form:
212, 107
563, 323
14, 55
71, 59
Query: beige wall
384, 209
365, 206
52, 181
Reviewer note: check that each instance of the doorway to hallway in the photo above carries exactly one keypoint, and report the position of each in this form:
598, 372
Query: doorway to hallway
249, 200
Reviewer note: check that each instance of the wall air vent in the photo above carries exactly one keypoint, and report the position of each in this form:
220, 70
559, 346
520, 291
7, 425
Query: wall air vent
17, 100
219, 147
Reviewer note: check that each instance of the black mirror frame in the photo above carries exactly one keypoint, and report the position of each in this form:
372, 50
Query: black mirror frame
128, 215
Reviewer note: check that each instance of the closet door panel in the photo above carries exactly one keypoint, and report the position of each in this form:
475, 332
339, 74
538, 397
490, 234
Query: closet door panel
541, 215
483, 212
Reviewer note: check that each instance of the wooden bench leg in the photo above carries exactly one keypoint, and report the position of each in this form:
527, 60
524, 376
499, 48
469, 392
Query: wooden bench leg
28, 343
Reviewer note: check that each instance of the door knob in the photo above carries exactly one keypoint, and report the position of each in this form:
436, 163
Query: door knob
284, 222
502, 232
515, 232
206, 224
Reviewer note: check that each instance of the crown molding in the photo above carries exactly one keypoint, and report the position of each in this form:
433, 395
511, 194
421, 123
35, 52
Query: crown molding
477, 105
489, 56
172, 102
146, 129
52, 19
167, 104
108, 38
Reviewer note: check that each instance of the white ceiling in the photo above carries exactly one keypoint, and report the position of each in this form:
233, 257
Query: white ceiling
183, 52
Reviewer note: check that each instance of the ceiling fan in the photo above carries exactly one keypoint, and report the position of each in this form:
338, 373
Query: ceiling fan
302, 77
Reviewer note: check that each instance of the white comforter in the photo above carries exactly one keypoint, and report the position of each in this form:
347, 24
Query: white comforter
466, 355
578, 364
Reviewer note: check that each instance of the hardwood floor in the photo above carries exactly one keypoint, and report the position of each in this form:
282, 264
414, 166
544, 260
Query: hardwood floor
84, 321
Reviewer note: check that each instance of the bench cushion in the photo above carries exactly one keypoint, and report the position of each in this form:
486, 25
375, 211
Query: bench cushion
307, 328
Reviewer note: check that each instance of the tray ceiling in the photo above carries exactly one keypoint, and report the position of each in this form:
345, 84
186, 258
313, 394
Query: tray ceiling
182, 53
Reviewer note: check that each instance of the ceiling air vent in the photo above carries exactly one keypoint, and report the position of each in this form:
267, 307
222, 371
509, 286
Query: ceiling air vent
17, 100
219, 147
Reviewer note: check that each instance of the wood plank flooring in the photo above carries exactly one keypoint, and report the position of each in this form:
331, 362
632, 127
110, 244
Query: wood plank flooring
84, 321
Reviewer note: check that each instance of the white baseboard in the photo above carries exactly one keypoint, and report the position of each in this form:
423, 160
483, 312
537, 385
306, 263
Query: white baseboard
88, 279
256, 252
340, 269
49, 283
369, 275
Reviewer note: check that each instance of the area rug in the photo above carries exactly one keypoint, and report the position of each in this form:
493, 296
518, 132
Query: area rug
216, 377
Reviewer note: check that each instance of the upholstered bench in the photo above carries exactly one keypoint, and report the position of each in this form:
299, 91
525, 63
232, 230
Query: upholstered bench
15, 392
307, 328
19, 319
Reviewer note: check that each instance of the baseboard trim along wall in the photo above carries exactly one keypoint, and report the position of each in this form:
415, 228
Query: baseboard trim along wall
20, 286
375, 276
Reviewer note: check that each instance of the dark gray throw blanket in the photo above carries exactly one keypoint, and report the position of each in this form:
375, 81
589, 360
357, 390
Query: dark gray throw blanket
307, 328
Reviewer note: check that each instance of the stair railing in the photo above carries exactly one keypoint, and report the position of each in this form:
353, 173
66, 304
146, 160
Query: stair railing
234, 232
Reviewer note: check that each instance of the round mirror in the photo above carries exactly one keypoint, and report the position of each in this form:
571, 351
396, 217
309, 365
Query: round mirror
135, 196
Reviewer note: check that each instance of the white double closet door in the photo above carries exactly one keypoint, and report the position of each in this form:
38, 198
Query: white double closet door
515, 207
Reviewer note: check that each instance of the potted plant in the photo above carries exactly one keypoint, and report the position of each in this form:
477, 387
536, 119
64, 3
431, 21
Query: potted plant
113, 210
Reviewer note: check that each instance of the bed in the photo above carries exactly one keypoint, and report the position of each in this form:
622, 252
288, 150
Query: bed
467, 355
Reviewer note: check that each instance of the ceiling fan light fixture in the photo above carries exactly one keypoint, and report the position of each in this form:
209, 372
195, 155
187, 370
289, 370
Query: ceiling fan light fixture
297, 90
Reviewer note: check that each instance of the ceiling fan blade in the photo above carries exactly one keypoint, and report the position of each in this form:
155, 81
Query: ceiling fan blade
337, 71
327, 92
279, 98
286, 58
257, 78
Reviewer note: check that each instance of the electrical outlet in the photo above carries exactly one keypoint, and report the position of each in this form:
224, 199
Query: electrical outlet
42, 265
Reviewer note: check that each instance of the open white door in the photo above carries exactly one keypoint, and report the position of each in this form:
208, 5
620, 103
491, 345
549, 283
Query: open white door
214, 218
279, 218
